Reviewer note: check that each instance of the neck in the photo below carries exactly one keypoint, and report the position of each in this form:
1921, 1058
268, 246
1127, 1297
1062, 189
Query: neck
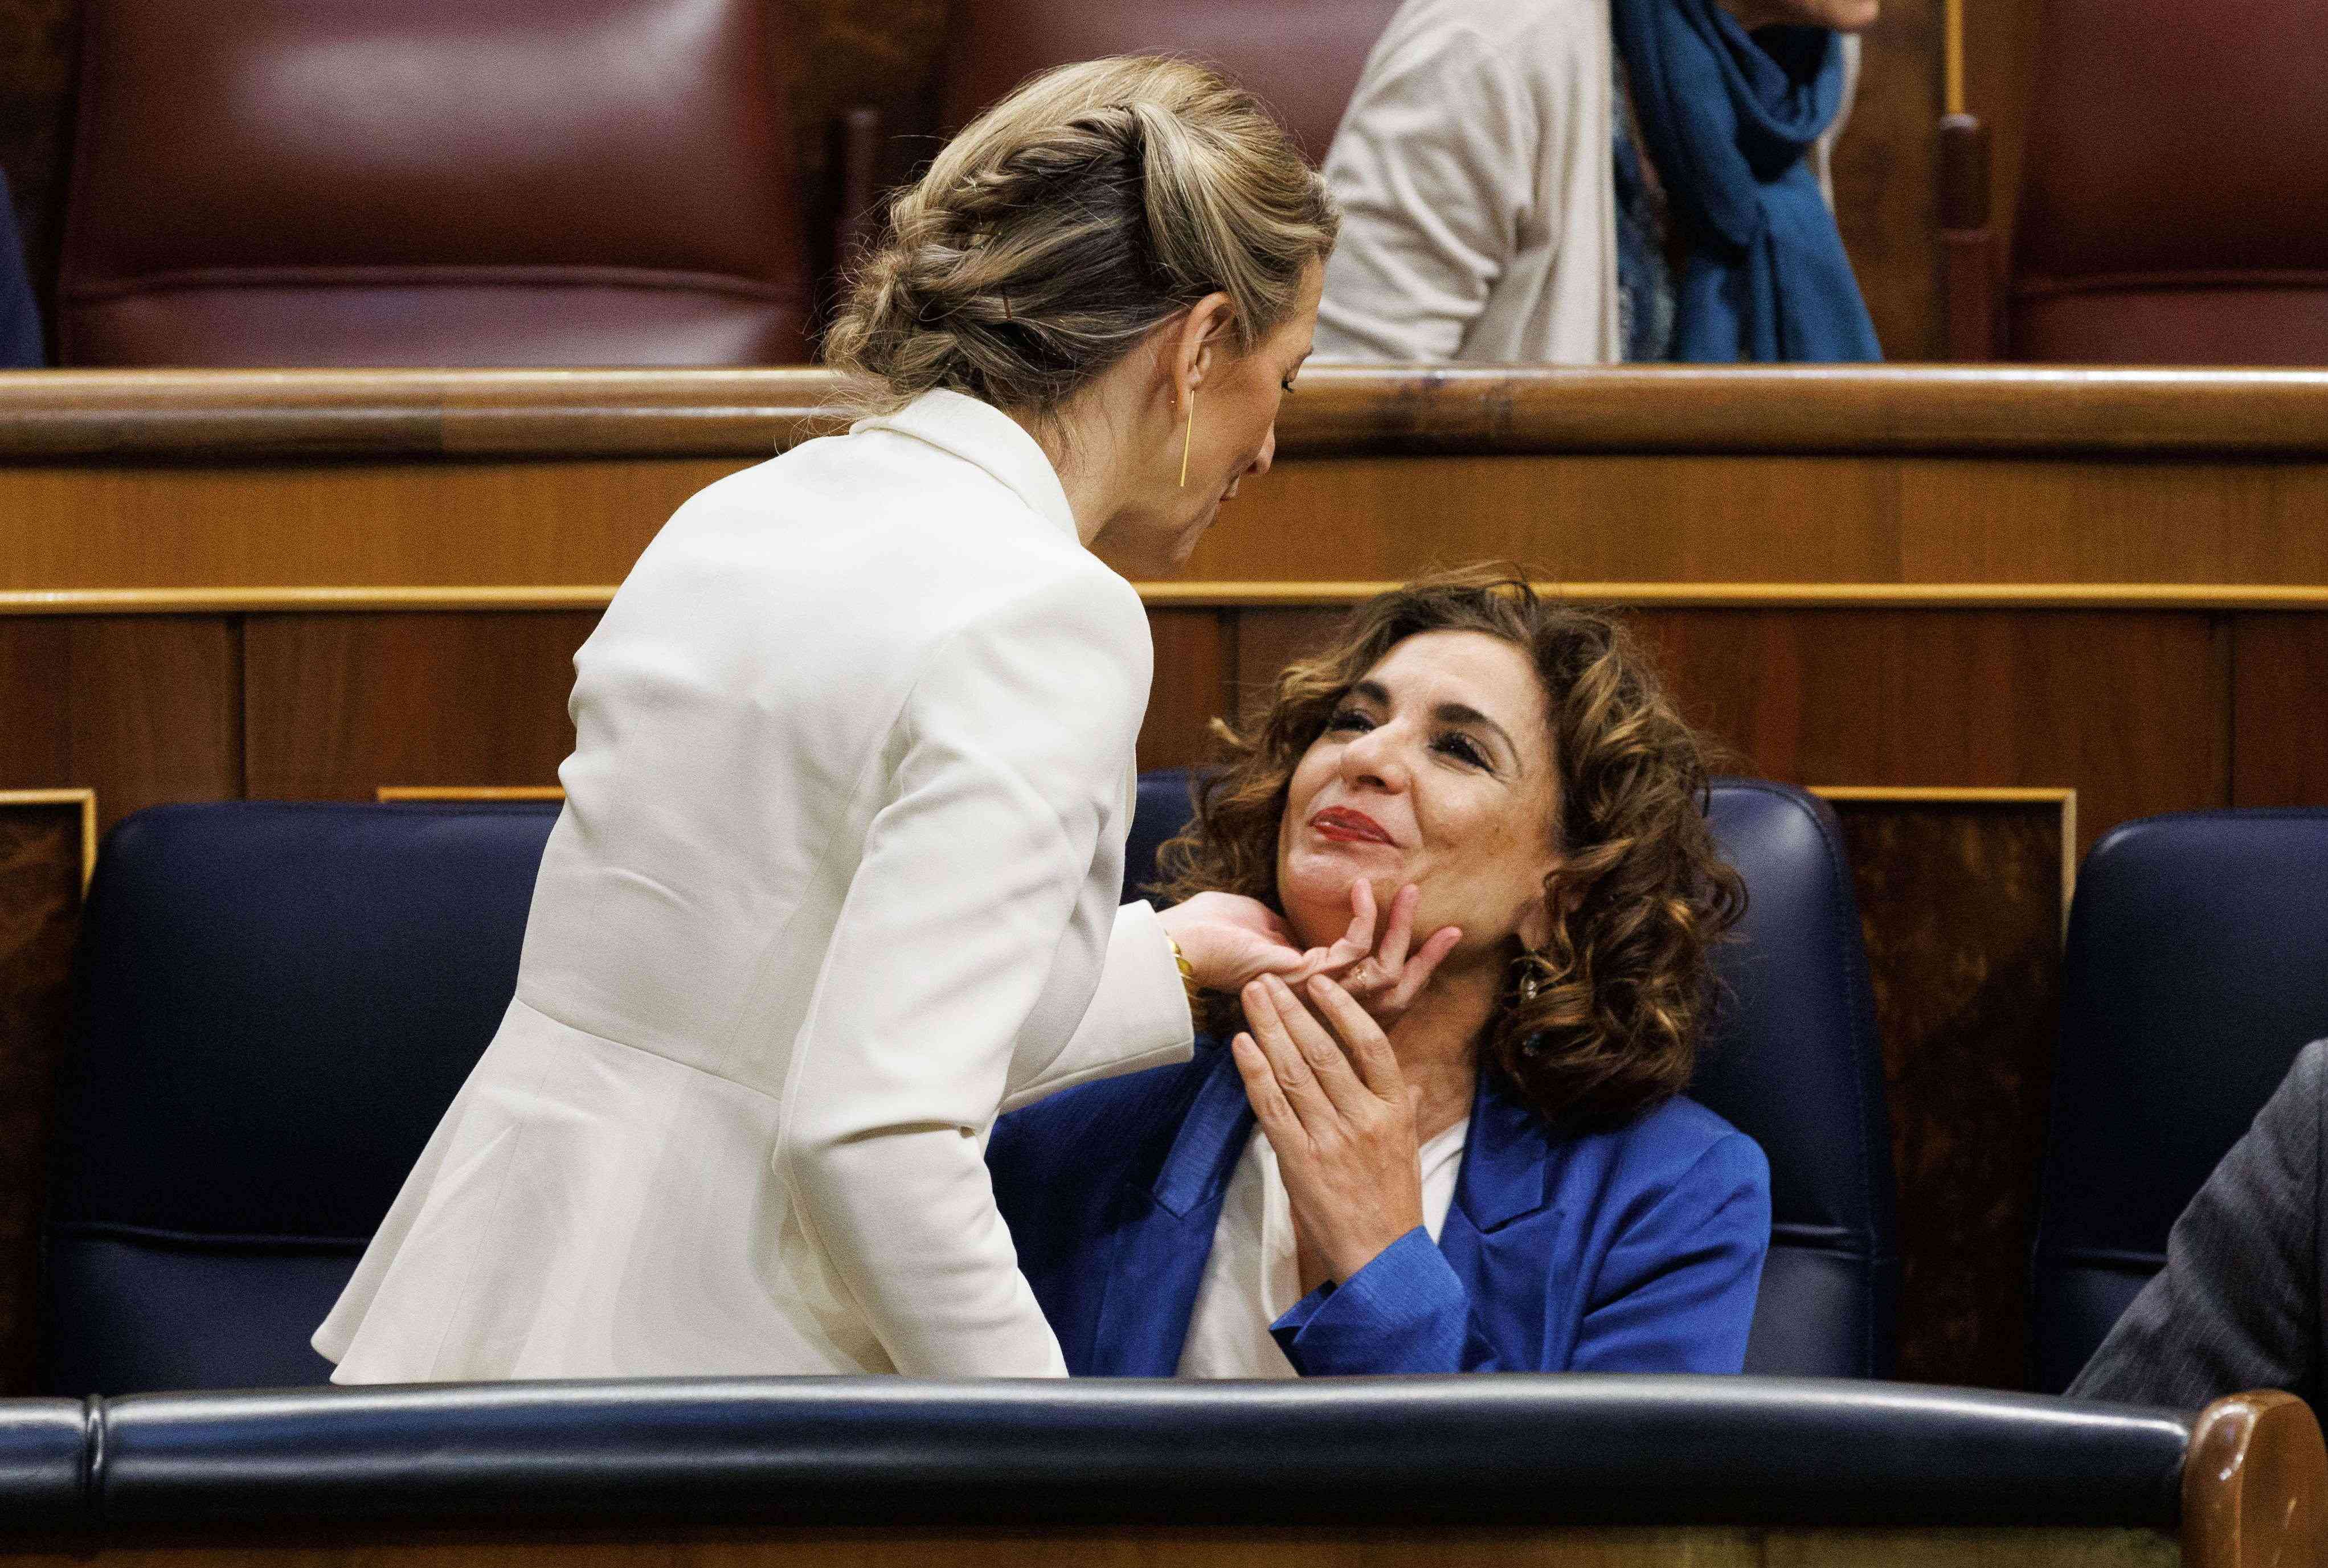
1081, 441
1437, 1044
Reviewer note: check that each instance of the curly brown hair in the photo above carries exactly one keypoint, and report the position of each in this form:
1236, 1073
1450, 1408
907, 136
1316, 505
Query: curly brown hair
1624, 988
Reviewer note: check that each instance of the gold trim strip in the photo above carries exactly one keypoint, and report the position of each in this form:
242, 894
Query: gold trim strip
1980, 795
1229, 595
386, 792
84, 798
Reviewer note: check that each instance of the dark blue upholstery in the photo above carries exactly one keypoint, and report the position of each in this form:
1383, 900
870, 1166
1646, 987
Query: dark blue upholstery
2197, 967
282, 998
44, 1445
279, 1002
1794, 1064
493, 1462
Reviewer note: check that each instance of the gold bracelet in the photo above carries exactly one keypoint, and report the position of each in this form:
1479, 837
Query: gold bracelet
1187, 975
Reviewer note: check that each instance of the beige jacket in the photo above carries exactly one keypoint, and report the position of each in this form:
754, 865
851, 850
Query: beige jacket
1478, 185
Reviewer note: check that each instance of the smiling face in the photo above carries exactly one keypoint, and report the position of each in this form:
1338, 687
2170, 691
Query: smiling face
1436, 769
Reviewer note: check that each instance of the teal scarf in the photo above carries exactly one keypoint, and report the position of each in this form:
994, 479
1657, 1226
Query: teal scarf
1728, 119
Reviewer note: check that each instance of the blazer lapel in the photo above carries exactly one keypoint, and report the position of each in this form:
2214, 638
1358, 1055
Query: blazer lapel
1166, 1235
1503, 1198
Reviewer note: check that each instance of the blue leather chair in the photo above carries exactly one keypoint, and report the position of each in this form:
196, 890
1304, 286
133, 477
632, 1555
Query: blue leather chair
1794, 1063
279, 1003
280, 999
2197, 967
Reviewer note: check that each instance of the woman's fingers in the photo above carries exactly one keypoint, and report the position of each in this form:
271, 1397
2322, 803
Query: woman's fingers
1321, 1051
1369, 1048
1391, 956
1260, 1090
1417, 970
1311, 1104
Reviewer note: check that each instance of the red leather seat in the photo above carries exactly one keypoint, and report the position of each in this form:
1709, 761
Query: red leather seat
1302, 57
431, 182
2174, 198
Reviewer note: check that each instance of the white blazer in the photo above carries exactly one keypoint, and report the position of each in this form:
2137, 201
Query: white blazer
834, 884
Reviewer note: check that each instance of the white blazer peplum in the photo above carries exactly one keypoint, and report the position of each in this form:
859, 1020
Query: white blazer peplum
834, 884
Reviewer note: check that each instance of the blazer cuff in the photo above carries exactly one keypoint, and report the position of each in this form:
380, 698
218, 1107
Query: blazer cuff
1404, 1312
1138, 1019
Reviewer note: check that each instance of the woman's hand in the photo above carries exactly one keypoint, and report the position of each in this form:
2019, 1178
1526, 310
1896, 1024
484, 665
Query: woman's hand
1338, 1115
1231, 941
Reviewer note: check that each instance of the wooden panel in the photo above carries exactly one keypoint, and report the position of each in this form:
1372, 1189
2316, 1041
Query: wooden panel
338, 706
341, 522
1887, 181
2132, 710
142, 708
2279, 707
1267, 641
42, 847
1454, 1546
1191, 689
1961, 907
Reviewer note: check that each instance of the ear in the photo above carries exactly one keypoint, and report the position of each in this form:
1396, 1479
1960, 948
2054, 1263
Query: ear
1537, 920
1194, 349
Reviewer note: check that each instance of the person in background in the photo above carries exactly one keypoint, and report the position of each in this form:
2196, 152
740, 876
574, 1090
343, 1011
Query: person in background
1583, 182
2241, 1303
1482, 1163
19, 318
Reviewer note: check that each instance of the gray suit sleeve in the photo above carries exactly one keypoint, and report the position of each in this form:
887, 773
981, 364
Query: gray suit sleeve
2238, 1304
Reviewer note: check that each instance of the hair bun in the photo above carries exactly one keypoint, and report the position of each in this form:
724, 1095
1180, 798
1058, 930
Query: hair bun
1071, 218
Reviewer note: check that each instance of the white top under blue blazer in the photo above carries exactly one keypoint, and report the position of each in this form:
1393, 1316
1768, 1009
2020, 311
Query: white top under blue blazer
835, 883
1638, 1249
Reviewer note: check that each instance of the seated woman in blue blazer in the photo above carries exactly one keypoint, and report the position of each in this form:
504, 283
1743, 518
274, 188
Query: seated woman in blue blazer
1469, 1156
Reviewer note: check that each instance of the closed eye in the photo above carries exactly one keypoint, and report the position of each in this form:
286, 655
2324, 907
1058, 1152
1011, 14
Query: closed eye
1351, 719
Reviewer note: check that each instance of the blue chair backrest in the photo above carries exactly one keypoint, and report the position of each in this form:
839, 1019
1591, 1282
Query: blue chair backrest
279, 1003
1794, 1063
280, 999
2197, 968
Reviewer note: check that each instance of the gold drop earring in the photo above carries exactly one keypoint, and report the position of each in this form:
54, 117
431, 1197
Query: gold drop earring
1188, 438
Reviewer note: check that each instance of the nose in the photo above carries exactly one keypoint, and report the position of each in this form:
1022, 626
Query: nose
1376, 758
1268, 451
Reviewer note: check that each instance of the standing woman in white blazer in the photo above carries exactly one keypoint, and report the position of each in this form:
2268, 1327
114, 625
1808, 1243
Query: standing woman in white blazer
835, 882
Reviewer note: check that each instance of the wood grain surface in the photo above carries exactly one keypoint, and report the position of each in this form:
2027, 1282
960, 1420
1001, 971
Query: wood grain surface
1335, 410
1960, 906
41, 852
142, 708
2279, 711
339, 705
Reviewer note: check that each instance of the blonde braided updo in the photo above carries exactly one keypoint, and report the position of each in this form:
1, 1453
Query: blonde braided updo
1070, 219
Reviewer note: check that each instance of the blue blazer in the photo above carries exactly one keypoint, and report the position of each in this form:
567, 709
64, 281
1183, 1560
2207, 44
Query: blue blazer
1638, 1250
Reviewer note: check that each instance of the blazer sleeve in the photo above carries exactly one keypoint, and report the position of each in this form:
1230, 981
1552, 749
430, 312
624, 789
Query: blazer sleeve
2237, 1305
1405, 1311
1435, 167
1676, 1289
1138, 1019
1674, 1292
1009, 756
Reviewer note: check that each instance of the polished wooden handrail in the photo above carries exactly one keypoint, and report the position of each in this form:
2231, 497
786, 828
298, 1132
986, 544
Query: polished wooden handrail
1338, 411
2255, 1485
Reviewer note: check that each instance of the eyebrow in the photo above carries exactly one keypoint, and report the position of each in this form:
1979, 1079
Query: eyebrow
1376, 692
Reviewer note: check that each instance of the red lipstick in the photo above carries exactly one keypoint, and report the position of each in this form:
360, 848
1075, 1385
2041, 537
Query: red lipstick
1345, 826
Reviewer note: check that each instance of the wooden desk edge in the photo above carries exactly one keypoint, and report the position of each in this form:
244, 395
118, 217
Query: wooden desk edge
312, 598
1338, 410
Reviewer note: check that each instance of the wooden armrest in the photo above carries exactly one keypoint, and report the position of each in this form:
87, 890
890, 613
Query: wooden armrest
2255, 1485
